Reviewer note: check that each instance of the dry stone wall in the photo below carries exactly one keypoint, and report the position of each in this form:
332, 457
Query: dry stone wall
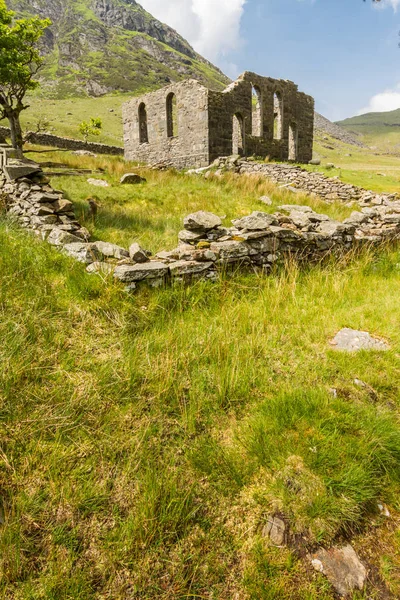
55, 141
206, 247
296, 178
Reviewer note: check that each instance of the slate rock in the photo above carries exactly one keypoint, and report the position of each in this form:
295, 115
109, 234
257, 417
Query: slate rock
58, 237
62, 206
342, 567
257, 221
139, 272
186, 267
111, 250
275, 529
132, 178
83, 252
190, 236
100, 267
201, 221
351, 340
138, 254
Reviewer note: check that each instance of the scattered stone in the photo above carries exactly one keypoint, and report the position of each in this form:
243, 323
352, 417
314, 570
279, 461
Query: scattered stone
329, 166
351, 340
132, 178
315, 161
138, 254
342, 567
266, 200
98, 182
202, 221
275, 529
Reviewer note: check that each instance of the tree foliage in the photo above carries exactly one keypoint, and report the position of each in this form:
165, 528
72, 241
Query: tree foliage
20, 61
94, 127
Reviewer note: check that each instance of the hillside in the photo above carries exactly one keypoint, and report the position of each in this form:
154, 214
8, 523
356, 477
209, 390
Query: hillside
377, 129
96, 47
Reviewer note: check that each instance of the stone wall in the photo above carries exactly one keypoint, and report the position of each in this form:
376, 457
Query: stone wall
188, 144
238, 99
295, 178
206, 247
253, 116
55, 141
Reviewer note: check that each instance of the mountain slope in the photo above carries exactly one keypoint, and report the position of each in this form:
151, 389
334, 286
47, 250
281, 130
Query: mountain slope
101, 46
379, 129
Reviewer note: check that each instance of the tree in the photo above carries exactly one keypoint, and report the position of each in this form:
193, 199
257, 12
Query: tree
20, 61
94, 127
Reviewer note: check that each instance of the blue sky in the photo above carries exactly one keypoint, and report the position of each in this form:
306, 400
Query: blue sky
343, 52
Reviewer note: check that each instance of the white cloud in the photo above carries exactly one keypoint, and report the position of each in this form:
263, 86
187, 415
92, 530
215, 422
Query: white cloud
388, 3
383, 102
211, 26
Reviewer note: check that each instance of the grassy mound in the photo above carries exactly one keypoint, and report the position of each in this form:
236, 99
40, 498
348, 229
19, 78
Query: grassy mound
145, 439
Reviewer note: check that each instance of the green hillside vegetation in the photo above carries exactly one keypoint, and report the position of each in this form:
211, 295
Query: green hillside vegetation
97, 48
381, 130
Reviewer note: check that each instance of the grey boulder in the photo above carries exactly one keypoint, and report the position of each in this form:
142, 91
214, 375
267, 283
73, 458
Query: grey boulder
202, 221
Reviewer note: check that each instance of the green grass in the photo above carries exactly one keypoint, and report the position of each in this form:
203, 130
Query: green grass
146, 438
152, 213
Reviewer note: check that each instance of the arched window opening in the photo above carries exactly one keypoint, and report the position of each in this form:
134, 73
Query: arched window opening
238, 135
143, 131
293, 141
278, 116
257, 120
172, 116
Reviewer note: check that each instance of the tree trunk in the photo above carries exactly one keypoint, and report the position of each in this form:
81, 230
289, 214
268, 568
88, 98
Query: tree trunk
17, 140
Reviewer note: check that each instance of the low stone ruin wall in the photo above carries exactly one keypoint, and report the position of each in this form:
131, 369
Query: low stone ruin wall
206, 247
328, 188
55, 141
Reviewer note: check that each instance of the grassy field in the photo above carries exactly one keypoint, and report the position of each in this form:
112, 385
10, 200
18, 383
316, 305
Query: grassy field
146, 438
152, 213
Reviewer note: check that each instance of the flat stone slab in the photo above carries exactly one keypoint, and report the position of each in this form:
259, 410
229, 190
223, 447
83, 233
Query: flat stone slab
342, 567
138, 272
351, 340
275, 529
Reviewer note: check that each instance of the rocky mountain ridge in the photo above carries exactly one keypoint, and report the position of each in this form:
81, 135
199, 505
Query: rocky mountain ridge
101, 46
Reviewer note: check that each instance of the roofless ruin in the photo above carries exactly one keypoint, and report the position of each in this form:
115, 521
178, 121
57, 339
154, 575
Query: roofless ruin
188, 125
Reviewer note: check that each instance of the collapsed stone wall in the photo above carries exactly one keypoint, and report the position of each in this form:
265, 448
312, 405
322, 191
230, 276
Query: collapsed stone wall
298, 179
206, 247
55, 141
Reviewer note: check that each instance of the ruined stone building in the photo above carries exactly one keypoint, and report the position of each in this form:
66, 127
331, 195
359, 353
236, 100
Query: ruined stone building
188, 125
